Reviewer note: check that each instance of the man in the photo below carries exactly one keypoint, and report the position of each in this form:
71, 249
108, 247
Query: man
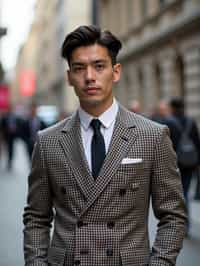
100, 210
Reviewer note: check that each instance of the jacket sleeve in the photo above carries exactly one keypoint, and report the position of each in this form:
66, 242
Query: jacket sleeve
168, 203
38, 213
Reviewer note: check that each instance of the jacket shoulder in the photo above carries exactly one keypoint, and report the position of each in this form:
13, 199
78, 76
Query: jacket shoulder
142, 122
55, 129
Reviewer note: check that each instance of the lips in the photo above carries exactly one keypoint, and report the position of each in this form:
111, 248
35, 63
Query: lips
91, 90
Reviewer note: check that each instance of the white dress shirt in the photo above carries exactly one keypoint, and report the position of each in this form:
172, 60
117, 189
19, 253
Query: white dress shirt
107, 120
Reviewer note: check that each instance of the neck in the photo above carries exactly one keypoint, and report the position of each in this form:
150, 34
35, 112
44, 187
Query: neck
96, 110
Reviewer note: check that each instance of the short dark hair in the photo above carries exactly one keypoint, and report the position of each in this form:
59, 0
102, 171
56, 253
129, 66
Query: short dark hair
88, 35
177, 106
177, 103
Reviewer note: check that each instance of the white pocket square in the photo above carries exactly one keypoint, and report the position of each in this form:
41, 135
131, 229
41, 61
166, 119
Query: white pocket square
131, 160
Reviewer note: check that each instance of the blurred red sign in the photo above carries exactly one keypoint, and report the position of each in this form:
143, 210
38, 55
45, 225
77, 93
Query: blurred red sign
4, 97
27, 83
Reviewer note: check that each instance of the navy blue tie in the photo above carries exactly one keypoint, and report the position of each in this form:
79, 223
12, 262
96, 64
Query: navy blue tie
97, 148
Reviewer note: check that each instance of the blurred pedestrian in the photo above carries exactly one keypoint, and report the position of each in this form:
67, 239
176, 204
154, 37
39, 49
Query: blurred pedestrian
180, 123
30, 126
93, 173
135, 107
162, 112
10, 132
62, 115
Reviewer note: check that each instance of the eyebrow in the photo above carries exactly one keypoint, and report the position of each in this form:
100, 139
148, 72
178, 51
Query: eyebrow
77, 63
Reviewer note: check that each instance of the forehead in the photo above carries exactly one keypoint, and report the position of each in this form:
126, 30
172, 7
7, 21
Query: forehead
90, 53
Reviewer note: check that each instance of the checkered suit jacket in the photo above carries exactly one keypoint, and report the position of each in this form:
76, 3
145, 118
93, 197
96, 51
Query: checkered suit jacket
104, 222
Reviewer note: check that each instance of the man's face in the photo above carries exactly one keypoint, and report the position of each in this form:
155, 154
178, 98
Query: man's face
92, 75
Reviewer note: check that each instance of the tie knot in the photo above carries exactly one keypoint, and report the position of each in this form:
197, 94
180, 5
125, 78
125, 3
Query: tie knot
95, 124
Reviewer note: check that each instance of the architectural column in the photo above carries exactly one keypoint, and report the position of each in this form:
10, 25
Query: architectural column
168, 76
153, 7
137, 13
192, 81
119, 91
150, 97
122, 89
133, 89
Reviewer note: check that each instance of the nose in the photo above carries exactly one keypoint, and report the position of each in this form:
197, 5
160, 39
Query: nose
89, 75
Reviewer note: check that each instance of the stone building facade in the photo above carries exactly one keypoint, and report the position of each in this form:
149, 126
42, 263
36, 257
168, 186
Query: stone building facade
42, 51
161, 50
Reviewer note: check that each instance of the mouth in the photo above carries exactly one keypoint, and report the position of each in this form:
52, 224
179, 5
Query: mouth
91, 90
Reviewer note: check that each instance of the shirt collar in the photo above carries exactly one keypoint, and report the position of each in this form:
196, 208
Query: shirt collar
106, 118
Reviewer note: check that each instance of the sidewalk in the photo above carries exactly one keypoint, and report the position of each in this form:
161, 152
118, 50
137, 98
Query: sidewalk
195, 211
195, 218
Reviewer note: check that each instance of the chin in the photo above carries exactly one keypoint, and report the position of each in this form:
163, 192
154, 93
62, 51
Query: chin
92, 102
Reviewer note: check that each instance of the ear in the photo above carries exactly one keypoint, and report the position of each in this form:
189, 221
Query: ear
116, 72
69, 77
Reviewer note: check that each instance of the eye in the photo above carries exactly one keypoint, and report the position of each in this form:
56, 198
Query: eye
99, 67
77, 69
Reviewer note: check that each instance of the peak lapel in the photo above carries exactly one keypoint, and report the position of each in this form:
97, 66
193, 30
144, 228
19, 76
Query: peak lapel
71, 143
124, 135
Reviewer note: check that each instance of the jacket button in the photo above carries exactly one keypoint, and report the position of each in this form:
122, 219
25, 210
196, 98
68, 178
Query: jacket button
77, 262
122, 192
63, 190
80, 223
84, 252
109, 252
110, 225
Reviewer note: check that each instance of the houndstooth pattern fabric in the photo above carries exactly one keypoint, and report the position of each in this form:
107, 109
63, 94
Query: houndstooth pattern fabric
104, 222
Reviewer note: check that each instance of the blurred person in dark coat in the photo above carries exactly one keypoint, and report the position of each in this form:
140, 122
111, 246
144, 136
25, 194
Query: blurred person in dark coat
10, 131
31, 125
135, 107
177, 123
162, 112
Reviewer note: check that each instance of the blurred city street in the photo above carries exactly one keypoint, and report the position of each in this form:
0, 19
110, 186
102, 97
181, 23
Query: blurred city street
155, 45
13, 196
13, 188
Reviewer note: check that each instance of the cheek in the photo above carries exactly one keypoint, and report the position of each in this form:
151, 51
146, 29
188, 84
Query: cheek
75, 82
108, 81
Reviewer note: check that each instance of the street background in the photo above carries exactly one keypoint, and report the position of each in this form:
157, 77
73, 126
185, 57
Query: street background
160, 59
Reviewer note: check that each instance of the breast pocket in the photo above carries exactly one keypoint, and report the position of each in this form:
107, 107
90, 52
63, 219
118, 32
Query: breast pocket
133, 170
133, 181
